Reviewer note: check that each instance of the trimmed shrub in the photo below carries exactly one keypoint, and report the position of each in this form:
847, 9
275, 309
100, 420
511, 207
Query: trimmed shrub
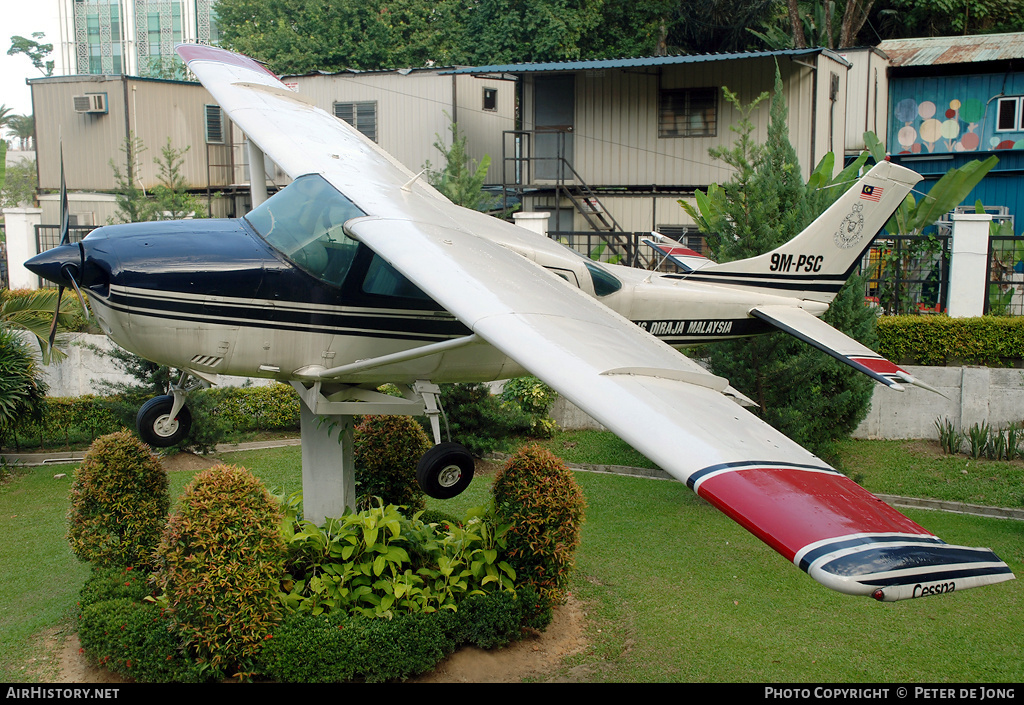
119, 503
387, 449
994, 341
220, 562
112, 583
336, 647
537, 496
135, 639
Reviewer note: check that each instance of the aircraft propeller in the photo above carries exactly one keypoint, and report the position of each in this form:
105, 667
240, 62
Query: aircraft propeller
68, 270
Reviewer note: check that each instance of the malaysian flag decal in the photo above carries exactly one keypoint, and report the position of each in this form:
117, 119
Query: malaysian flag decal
871, 193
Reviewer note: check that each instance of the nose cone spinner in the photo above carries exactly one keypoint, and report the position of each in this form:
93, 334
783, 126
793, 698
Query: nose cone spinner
54, 265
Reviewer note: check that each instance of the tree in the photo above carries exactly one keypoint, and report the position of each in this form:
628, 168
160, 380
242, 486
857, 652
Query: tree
459, 180
34, 50
20, 184
132, 204
23, 127
799, 390
817, 24
5, 116
170, 200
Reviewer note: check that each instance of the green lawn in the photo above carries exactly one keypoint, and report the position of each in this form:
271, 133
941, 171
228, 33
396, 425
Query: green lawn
674, 590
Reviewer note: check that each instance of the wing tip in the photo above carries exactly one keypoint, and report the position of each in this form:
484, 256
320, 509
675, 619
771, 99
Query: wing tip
889, 573
204, 52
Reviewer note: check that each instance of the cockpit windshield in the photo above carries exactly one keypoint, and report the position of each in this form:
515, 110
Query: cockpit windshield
304, 223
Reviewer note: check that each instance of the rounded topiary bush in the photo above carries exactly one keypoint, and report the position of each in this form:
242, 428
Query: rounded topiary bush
119, 503
219, 563
537, 496
387, 449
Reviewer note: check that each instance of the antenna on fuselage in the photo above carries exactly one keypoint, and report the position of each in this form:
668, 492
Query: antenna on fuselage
410, 182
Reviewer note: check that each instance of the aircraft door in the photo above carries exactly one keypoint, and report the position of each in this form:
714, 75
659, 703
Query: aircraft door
554, 115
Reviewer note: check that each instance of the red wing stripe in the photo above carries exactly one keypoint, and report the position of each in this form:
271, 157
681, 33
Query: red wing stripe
790, 508
879, 365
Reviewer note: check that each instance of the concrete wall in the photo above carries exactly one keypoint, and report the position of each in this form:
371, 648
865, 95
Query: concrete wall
972, 395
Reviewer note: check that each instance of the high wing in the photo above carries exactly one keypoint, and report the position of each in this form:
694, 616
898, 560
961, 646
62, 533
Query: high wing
479, 268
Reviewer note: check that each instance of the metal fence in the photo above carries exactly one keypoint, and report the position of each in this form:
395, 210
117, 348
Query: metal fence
908, 274
1005, 276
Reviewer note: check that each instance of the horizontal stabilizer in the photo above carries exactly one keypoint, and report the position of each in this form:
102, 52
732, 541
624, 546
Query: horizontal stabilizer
683, 257
814, 331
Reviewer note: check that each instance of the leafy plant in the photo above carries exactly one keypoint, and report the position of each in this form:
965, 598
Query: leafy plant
950, 437
119, 503
536, 495
535, 398
479, 420
387, 449
380, 563
22, 389
978, 438
219, 563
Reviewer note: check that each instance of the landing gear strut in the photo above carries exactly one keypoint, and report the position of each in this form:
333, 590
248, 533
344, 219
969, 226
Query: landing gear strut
445, 470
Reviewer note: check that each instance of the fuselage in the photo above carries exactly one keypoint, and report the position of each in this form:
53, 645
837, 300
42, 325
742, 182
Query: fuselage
216, 298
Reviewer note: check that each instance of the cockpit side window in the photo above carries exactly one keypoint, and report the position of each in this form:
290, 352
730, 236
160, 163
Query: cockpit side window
304, 223
604, 282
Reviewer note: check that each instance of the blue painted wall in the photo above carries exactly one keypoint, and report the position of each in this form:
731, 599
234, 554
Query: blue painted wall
940, 122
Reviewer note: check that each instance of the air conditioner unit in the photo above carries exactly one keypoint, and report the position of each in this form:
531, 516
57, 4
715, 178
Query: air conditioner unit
90, 103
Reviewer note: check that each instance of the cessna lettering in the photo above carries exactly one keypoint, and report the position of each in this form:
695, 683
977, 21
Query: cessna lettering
686, 327
924, 590
802, 263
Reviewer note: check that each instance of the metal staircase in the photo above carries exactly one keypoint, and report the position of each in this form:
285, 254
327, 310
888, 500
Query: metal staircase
566, 184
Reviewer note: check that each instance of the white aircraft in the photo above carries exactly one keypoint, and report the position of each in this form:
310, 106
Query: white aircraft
358, 273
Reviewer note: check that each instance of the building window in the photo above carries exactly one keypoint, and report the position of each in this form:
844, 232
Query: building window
214, 125
361, 115
688, 112
490, 98
1009, 115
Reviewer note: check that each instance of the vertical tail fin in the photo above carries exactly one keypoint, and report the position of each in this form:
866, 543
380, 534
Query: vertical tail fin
816, 263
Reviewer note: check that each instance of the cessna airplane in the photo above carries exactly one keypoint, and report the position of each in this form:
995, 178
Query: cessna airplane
359, 273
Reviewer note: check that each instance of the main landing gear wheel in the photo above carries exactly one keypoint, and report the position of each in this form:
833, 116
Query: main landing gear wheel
155, 425
445, 470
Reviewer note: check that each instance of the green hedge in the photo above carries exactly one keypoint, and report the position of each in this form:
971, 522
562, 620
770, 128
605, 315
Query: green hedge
993, 341
67, 420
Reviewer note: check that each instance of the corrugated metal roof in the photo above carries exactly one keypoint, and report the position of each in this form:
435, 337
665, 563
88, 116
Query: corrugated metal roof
932, 51
594, 64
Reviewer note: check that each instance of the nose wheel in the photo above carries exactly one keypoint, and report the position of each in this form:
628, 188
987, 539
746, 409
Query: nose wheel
445, 470
161, 425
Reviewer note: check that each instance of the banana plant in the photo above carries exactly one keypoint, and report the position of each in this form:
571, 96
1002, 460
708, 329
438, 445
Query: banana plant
913, 216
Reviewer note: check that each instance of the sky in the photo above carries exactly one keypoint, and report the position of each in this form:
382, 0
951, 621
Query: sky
22, 18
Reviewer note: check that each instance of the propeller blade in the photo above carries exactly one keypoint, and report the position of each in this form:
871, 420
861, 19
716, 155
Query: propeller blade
81, 299
65, 214
53, 326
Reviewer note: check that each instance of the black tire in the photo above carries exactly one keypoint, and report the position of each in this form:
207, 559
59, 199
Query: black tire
445, 470
156, 428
